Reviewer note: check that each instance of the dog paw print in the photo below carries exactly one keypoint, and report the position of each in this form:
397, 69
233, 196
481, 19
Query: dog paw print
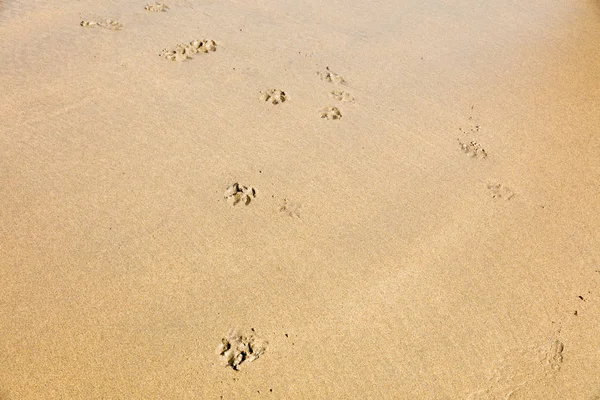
472, 149
237, 193
182, 52
471, 130
554, 356
342, 96
236, 349
273, 96
290, 209
467, 141
499, 191
157, 7
330, 76
330, 113
102, 23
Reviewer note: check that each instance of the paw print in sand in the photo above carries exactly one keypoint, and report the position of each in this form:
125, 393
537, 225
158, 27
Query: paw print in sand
236, 349
103, 23
330, 76
330, 113
273, 96
237, 193
290, 209
554, 356
342, 96
182, 52
469, 146
158, 7
472, 149
499, 191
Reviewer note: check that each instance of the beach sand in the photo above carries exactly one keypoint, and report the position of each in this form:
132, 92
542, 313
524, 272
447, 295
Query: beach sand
417, 200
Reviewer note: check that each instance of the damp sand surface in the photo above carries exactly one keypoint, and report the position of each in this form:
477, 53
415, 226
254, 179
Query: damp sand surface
379, 200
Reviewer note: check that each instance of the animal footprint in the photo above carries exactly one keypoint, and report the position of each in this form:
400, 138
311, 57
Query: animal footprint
467, 144
472, 149
157, 7
471, 130
103, 23
330, 76
237, 193
290, 209
342, 96
274, 96
182, 52
519, 369
554, 357
236, 349
499, 191
330, 113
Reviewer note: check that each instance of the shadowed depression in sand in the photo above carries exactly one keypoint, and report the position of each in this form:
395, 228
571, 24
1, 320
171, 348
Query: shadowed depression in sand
315, 200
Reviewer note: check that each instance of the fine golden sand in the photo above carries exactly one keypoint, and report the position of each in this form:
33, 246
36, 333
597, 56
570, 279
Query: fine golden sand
299, 200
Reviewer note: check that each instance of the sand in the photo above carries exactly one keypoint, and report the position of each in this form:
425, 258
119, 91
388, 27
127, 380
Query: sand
415, 216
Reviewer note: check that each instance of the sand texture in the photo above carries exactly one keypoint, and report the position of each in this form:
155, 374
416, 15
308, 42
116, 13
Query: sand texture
299, 200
